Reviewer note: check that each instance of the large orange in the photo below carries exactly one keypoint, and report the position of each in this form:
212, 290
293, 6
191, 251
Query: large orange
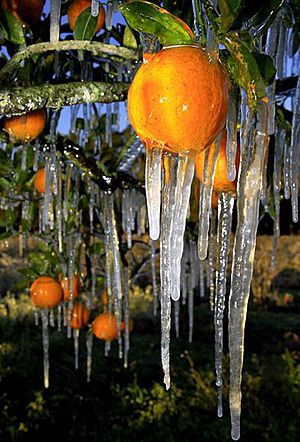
26, 11
26, 127
40, 180
80, 316
221, 181
46, 292
105, 327
76, 286
178, 100
77, 7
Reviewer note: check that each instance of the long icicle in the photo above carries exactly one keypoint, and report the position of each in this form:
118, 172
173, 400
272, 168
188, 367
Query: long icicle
295, 152
153, 187
225, 206
45, 346
55, 6
249, 190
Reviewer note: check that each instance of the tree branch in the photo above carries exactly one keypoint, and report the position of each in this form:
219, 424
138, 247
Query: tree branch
96, 48
17, 101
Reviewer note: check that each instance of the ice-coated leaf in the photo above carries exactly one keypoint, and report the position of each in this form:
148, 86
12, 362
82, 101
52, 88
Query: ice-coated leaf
85, 25
151, 19
244, 70
12, 28
129, 39
266, 67
229, 10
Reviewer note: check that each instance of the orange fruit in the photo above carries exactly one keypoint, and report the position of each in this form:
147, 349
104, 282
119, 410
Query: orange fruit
46, 292
77, 7
40, 180
76, 286
105, 327
26, 127
27, 11
131, 325
178, 100
80, 315
221, 181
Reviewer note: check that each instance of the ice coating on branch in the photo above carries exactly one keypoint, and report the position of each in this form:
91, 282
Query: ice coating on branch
249, 189
131, 155
55, 6
279, 145
206, 187
178, 175
45, 346
95, 8
225, 206
153, 273
231, 144
294, 154
153, 190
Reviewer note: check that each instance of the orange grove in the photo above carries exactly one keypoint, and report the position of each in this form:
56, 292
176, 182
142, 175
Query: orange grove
46, 292
77, 7
221, 181
105, 327
178, 100
80, 315
26, 127
27, 11
76, 287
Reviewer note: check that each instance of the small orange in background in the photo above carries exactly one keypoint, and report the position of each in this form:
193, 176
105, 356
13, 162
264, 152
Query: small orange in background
104, 298
221, 181
26, 127
77, 7
105, 327
27, 11
40, 180
131, 325
76, 286
80, 316
46, 292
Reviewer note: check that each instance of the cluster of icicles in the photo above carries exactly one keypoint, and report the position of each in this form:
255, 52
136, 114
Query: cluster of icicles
181, 262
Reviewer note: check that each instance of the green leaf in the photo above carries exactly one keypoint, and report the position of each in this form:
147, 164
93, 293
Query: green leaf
129, 39
151, 19
229, 10
266, 14
12, 28
266, 67
4, 184
244, 70
85, 25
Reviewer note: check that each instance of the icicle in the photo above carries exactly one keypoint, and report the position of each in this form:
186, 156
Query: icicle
294, 154
153, 272
89, 350
176, 316
59, 210
126, 317
36, 155
76, 347
231, 144
281, 49
183, 276
111, 227
286, 171
211, 260
176, 193
24, 157
59, 317
206, 187
197, 27
95, 8
131, 155
225, 207
270, 49
201, 279
36, 316
279, 145
108, 17
54, 20
190, 307
153, 190
249, 189
51, 318
45, 346
212, 46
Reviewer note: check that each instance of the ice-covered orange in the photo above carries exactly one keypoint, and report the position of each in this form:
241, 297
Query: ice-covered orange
46, 292
26, 127
178, 99
105, 327
80, 316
